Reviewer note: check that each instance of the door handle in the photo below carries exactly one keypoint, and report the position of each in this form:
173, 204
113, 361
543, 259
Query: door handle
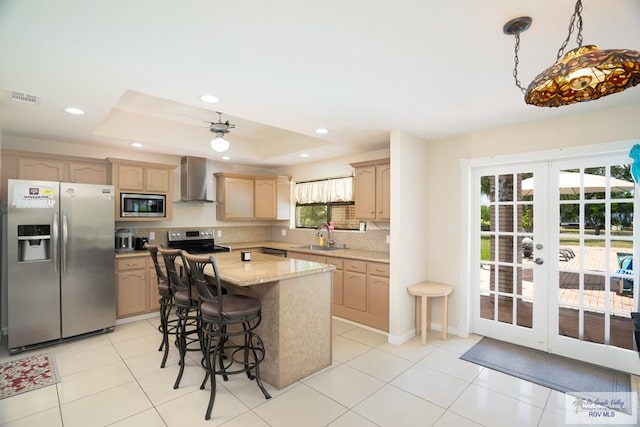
54, 243
539, 261
65, 236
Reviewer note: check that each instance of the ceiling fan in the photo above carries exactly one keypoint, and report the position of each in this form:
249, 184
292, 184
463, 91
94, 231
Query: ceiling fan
219, 129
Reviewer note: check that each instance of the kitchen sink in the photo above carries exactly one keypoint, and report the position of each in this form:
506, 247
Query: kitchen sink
316, 248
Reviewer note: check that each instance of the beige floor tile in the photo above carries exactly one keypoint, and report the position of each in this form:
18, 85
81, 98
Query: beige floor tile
159, 387
29, 403
460, 345
137, 346
300, 406
554, 411
339, 326
449, 419
351, 419
345, 385
146, 364
189, 409
391, 406
366, 337
525, 391
148, 418
129, 331
494, 409
412, 350
83, 344
248, 419
345, 349
72, 363
106, 407
247, 391
93, 380
381, 365
449, 363
47, 418
431, 385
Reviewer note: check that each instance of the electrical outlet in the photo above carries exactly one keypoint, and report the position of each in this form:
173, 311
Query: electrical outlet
152, 235
219, 233
284, 231
388, 239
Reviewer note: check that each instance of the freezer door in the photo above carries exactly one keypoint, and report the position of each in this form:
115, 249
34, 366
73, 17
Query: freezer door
33, 286
87, 263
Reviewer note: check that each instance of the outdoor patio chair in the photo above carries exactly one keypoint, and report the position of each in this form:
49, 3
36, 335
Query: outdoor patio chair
626, 269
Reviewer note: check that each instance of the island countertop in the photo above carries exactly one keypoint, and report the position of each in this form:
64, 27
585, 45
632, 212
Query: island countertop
263, 268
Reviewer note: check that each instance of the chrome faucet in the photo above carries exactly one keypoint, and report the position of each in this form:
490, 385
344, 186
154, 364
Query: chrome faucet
325, 226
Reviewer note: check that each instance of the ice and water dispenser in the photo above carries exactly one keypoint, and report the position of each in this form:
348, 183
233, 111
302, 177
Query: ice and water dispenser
34, 242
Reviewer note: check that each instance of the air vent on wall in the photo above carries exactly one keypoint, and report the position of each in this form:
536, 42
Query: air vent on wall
24, 97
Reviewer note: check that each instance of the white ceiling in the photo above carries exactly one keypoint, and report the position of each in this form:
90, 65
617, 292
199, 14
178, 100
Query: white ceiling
283, 68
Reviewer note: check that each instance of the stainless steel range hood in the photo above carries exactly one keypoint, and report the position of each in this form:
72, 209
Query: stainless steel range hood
193, 180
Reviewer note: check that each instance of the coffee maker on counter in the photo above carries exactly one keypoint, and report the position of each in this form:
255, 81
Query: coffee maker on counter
140, 242
124, 240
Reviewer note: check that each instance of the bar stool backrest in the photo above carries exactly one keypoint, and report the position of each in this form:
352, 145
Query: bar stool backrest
175, 281
197, 264
160, 274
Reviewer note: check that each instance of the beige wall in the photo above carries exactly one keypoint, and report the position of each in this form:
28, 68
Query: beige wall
446, 213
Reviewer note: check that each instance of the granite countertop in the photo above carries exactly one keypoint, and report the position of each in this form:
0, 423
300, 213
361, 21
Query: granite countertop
262, 268
359, 254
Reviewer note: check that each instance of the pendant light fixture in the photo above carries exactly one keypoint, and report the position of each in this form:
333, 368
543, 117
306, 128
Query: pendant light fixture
219, 129
582, 74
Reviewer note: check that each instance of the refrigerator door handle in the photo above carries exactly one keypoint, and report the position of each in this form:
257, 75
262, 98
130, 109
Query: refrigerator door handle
65, 235
54, 241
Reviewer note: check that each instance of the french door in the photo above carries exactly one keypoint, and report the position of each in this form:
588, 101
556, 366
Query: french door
553, 257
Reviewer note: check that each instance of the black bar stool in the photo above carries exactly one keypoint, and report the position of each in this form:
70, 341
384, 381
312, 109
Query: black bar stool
187, 311
225, 317
167, 327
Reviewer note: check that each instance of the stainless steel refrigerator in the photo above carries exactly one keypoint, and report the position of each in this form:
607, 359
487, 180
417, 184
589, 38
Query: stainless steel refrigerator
60, 265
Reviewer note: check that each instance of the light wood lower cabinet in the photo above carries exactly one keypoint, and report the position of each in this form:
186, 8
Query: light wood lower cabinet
136, 286
360, 289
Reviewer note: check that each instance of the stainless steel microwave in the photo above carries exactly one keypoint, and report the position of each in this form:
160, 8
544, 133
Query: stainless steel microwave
143, 205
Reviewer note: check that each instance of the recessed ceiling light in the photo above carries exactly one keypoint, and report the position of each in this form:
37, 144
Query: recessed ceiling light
137, 145
226, 158
75, 111
211, 99
322, 131
304, 155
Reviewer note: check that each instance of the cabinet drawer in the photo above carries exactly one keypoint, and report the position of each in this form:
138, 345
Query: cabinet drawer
131, 263
378, 269
338, 262
354, 265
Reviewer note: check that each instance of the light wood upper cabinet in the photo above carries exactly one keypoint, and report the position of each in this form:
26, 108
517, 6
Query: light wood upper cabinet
235, 196
250, 197
51, 168
266, 202
372, 189
88, 173
157, 180
143, 178
130, 177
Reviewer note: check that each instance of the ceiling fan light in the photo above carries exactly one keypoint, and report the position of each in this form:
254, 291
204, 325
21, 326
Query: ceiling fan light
584, 74
219, 144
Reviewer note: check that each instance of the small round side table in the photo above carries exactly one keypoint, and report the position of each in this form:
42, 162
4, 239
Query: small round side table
423, 291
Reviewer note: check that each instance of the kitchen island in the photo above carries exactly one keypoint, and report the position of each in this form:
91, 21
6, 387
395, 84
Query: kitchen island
296, 311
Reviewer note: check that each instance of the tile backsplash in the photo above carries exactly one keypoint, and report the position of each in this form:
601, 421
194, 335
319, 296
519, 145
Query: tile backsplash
372, 240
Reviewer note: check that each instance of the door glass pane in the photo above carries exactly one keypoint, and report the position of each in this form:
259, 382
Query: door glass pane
595, 240
506, 242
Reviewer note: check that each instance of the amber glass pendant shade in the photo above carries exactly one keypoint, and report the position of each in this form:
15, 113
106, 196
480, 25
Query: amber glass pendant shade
584, 74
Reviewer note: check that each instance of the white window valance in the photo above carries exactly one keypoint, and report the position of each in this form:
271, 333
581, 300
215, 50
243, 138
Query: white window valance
327, 191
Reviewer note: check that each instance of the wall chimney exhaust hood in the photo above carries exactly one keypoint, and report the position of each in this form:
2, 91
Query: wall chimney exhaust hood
193, 180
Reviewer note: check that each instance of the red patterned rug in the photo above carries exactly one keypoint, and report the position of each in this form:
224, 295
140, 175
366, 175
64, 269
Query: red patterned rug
27, 374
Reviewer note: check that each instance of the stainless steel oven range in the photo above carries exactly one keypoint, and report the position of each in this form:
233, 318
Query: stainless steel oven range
196, 241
